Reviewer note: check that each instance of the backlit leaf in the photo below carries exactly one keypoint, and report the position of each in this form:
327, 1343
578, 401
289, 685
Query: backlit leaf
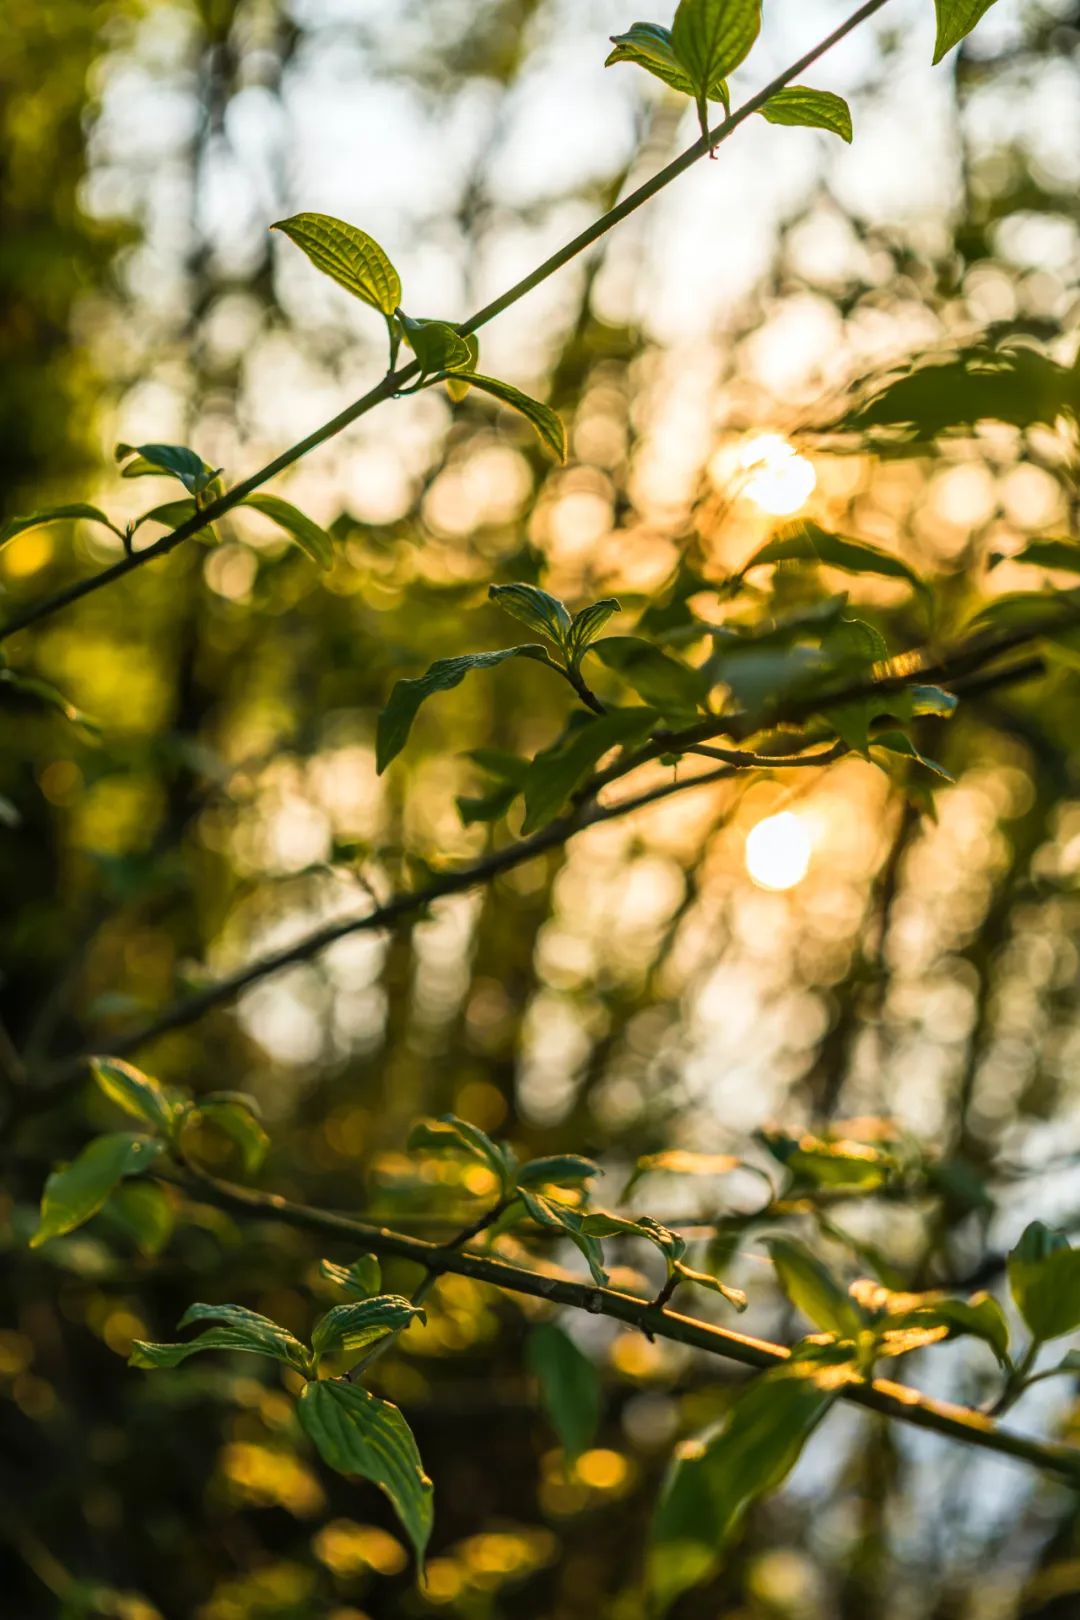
135, 1092
559, 1170
537, 608
352, 258
587, 625
803, 541
362, 1323
77, 1191
395, 721
818, 109
1044, 1277
436, 345
312, 540
166, 460
362, 1279
52, 514
237, 1329
547, 423
558, 771
549, 1212
955, 18
660, 680
813, 1289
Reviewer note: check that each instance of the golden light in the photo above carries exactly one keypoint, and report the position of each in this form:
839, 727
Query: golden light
778, 851
778, 479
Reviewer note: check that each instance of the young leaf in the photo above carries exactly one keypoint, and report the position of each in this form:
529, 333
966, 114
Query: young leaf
357, 1434
53, 514
979, 1317
898, 742
803, 541
312, 540
569, 1386
166, 460
1063, 555
548, 423
171, 514
458, 385
78, 1190
395, 722
448, 1131
236, 1120
955, 18
714, 1479
813, 1290
705, 1279
710, 38
1044, 1277
239, 1329
561, 1170
436, 345
135, 1092
586, 626
840, 1163
352, 258
818, 109
558, 771
363, 1323
660, 680
538, 609
549, 1212
362, 1279
648, 45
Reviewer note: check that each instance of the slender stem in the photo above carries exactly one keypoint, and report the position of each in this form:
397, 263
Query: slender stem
394, 381
889, 1399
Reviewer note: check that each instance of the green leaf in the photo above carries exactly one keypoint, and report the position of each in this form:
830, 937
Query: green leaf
437, 345
1044, 1277
362, 1323
979, 1317
237, 1121
710, 38
955, 18
395, 721
172, 514
448, 1131
705, 1279
1063, 555
814, 1290
1017, 385
352, 258
714, 1479
239, 1329
898, 742
840, 1163
362, 1279
548, 424
660, 680
135, 1092
648, 45
312, 540
538, 609
53, 514
570, 1390
803, 541
458, 386
167, 460
560, 1170
549, 1212
679, 1162
818, 109
587, 625
78, 1190
559, 770
144, 1211
357, 1434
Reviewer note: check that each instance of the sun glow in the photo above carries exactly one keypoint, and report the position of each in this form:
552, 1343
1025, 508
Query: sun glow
778, 851
778, 479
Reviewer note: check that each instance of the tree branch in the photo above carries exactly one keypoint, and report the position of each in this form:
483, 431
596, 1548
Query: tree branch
395, 381
889, 1399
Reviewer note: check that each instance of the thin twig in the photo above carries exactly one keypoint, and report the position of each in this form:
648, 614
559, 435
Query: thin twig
394, 382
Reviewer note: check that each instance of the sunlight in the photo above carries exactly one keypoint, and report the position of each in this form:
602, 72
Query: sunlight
778, 851
778, 480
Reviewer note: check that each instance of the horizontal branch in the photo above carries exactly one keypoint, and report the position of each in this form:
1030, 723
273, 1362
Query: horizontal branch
586, 814
890, 1400
394, 381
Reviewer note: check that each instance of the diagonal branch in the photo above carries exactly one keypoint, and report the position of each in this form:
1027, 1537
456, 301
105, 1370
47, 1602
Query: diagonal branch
395, 381
889, 1399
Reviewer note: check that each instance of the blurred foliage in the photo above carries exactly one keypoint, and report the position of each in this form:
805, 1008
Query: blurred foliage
634, 994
